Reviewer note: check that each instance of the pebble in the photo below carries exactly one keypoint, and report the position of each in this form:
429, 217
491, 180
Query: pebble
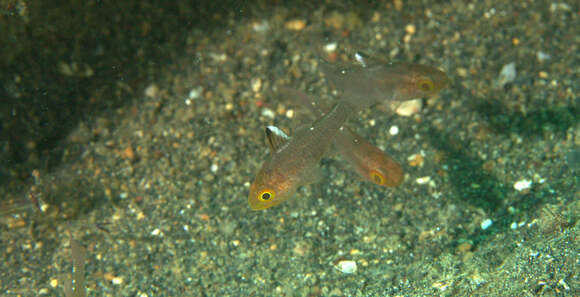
394, 130
346, 266
330, 47
541, 56
486, 224
423, 180
409, 108
256, 84
152, 91
506, 75
195, 93
523, 184
266, 112
296, 25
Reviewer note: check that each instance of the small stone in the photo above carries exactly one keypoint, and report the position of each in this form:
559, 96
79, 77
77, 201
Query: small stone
409, 108
346, 266
486, 224
266, 112
296, 25
394, 130
423, 180
461, 72
195, 93
256, 84
523, 184
214, 168
152, 91
330, 47
542, 56
506, 75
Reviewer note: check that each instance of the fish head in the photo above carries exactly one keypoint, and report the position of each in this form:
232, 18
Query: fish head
378, 167
385, 172
420, 81
270, 188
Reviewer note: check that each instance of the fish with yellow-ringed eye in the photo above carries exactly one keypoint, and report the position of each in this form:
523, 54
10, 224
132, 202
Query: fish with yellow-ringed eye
293, 162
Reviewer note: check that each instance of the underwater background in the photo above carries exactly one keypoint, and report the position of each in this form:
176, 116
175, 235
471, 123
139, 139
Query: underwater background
130, 132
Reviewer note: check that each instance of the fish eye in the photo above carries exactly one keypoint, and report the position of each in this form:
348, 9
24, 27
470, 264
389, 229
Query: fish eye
426, 85
266, 195
377, 178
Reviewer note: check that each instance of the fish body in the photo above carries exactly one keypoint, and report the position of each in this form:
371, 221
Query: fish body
294, 162
366, 159
378, 83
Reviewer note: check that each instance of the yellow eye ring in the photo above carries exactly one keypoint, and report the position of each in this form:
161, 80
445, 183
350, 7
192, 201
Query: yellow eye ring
377, 178
266, 195
426, 85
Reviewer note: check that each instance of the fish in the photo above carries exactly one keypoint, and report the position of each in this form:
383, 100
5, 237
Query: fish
367, 160
373, 82
294, 161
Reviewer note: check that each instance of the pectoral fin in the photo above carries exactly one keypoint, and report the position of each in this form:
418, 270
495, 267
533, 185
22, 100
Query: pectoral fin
276, 138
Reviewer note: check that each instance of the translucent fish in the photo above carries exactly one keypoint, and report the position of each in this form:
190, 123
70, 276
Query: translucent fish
366, 159
294, 162
372, 82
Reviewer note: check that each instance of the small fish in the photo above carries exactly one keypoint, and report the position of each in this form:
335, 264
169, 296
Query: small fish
294, 161
373, 82
367, 160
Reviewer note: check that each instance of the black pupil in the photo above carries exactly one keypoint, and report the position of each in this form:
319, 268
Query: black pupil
266, 196
378, 179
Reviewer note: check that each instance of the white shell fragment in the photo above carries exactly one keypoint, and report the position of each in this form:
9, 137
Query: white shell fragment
486, 224
346, 266
506, 75
523, 184
409, 108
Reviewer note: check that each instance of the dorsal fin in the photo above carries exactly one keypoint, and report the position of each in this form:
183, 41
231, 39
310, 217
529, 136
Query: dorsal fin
276, 138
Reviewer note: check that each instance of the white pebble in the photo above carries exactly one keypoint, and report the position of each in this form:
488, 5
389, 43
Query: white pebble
266, 112
486, 224
523, 184
330, 47
409, 108
117, 280
256, 84
195, 93
152, 91
507, 74
394, 130
156, 232
347, 266
214, 168
423, 180
542, 56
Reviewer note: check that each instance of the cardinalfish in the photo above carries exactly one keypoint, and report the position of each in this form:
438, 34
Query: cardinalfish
368, 161
293, 162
